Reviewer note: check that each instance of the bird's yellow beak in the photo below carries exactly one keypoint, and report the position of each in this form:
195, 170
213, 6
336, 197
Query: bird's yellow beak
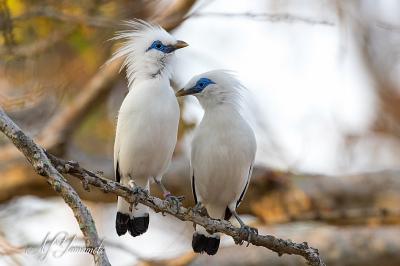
180, 44
184, 92
180, 93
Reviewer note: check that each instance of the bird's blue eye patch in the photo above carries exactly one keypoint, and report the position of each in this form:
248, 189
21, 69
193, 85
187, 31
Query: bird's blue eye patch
202, 83
158, 45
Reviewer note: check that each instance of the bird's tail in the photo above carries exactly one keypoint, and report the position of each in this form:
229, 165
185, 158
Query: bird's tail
135, 222
139, 221
123, 217
134, 219
202, 241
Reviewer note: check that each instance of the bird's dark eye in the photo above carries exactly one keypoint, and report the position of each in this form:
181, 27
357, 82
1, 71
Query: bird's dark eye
201, 84
158, 45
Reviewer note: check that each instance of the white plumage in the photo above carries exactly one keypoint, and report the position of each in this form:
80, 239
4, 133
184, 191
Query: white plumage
223, 151
148, 119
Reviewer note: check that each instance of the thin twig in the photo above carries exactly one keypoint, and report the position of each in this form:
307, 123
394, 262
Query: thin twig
51, 13
388, 27
271, 17
37, 47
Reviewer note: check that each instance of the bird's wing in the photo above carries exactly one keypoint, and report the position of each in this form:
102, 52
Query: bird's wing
117, 175
194, 188
245, 187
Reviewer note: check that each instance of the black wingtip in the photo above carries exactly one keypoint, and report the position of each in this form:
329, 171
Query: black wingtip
201, 243
121, 223
228, 214
138, 225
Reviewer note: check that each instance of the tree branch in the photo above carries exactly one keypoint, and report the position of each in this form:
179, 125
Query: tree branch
271, 17
50, 166
37, 47
62, 125
51, 13
42, 165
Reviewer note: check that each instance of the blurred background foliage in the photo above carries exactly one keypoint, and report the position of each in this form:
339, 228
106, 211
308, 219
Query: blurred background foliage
55, 84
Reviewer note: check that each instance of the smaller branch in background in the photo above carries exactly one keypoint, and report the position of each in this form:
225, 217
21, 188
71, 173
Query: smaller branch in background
281, 17
64, 122
7, 249
26, 100
37, 47
42, 165
388, 27
174, 14
51, 13
6, 24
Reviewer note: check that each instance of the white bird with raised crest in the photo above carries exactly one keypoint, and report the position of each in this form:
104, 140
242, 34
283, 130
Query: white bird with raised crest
147, 125
223, 152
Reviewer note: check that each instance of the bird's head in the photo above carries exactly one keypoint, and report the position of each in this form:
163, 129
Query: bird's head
212, 88
147, 49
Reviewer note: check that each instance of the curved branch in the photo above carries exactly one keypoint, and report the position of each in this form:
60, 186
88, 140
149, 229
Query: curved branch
270, 17
42, 165
40, 160
54, 14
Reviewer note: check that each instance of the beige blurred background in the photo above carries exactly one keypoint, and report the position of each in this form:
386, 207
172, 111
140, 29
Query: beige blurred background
324, 101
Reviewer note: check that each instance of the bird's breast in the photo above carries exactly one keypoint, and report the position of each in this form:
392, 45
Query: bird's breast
147, 130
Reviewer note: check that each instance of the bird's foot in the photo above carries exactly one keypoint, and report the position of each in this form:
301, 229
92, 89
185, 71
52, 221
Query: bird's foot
136, 189
246, 232
198, 208
174, 201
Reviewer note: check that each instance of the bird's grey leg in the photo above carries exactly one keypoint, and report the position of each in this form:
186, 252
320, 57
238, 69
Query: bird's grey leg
173, 200
131, 185
245, 230
166, 193
198, 207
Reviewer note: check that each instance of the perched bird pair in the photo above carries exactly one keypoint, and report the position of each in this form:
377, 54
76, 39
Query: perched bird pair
223, 148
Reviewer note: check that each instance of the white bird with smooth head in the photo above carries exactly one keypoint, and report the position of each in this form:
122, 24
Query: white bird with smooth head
223, 152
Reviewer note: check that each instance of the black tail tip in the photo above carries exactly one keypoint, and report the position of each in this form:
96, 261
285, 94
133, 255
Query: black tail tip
213, 245
138, 225
201, 243
121, 223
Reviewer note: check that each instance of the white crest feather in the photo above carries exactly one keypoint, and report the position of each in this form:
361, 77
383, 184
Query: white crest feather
136, 40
